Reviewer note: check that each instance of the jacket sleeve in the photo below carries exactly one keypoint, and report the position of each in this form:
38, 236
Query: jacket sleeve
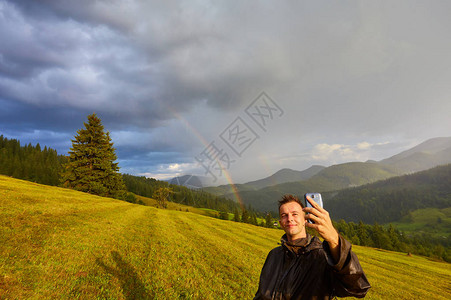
348, 278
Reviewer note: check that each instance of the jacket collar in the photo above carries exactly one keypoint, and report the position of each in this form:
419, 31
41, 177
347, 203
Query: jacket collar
302, 242
301, 245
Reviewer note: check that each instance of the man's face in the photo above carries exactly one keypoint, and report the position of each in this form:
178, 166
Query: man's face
292, 220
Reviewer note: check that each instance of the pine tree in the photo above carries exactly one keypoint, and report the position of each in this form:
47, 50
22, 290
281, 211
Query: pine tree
236, 216
223, 215
269, 222
362, 233
91, 167
245, 216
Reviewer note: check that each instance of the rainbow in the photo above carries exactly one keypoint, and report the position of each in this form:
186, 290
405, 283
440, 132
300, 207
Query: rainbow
204, 142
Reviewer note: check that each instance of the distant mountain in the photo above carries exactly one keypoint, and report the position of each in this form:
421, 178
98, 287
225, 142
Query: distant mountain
281, 176
190, 181
285, 175
228, 189
395, 198
353, 174
263, 194
431, 153
332, 178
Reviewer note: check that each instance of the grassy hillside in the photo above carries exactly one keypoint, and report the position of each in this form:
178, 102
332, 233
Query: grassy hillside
432, 221
354, 174
63, 244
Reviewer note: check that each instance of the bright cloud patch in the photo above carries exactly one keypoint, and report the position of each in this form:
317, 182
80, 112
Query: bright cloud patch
337, 153
169, 171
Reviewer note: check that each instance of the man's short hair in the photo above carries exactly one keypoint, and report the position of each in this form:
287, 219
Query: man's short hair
290, 198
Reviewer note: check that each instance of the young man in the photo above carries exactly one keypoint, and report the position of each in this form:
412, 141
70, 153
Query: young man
303, 267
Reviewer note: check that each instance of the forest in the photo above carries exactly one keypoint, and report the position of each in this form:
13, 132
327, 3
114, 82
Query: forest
30, 162
146, 187
392, 199
390, 238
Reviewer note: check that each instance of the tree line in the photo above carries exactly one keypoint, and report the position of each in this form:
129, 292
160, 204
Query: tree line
390, 238
149, 187
30, 162
249, 216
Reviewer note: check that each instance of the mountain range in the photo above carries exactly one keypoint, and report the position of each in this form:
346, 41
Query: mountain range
431, 153
396, 198
262, 194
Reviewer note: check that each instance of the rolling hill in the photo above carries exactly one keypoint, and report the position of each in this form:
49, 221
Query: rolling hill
59, 243
397, 199
262, 195
332, 178
431, 153
281, 176
285, 175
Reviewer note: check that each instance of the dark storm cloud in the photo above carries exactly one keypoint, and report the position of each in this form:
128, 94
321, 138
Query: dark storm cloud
49, 118
367, 72
86, 57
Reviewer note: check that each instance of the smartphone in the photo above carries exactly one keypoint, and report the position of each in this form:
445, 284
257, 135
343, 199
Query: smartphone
315, 197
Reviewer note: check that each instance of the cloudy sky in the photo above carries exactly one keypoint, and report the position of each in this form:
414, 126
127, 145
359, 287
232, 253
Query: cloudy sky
188, 87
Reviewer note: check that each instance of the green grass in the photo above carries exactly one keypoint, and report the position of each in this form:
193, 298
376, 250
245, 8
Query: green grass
63, 244
179, 207
432, 221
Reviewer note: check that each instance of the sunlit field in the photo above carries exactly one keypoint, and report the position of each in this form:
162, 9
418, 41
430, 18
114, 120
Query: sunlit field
63, 244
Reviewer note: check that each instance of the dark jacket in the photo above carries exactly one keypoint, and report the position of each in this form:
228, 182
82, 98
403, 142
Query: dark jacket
311, 273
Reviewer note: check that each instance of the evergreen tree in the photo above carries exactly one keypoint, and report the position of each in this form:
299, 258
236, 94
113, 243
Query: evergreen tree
245, 216
253, 219
268, 220
236, 216
363, 234
393, 235
29, 162
380, 238
91, 167
223, 215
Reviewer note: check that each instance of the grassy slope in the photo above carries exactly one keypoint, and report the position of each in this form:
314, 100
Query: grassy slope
432, 221
65, 244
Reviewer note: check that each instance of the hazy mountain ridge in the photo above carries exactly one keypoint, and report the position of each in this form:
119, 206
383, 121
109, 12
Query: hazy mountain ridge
333, 178
433, 152
433, 145
285, 175
280, 177
429, 154
191, 181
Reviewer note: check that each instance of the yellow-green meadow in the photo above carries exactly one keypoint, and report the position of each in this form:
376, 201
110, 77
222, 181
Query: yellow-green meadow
62, 244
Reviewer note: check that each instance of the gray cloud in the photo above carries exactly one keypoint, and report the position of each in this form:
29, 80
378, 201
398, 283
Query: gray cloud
170, 76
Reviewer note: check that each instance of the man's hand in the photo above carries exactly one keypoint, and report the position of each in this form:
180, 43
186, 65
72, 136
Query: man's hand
323, 225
